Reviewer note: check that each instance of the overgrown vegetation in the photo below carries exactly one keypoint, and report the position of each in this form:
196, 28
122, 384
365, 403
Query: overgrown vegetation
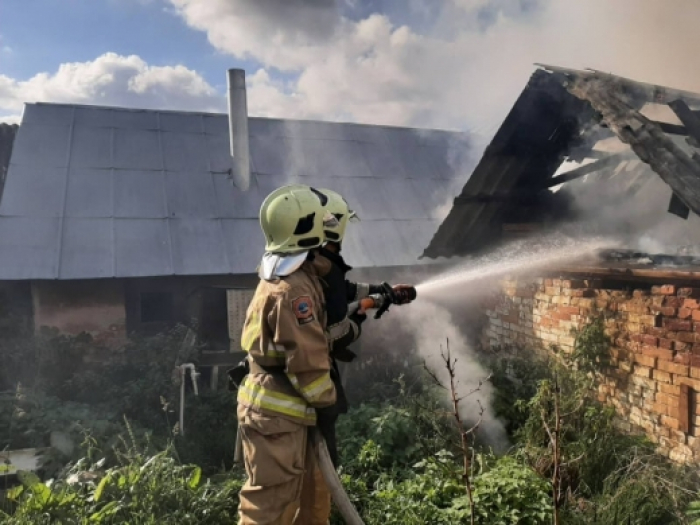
402, 457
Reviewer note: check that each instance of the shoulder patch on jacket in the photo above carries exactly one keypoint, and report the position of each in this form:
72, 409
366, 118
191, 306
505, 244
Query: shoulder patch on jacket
303, 309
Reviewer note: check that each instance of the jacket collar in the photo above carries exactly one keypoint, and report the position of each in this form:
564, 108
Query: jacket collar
336, 259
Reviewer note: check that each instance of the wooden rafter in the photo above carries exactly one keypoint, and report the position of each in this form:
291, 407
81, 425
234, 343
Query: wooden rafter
645, 137
606, 162
689, 119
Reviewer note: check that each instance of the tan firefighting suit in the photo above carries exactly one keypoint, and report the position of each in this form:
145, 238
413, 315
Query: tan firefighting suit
284, 335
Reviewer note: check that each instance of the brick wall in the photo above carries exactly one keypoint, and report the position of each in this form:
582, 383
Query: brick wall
654, 378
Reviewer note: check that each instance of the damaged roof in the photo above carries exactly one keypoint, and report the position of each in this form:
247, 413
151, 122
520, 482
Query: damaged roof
7, 138
96, 192
560, 117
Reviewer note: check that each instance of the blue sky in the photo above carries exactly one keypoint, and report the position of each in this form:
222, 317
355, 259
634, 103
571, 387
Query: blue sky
454, 64
46, 33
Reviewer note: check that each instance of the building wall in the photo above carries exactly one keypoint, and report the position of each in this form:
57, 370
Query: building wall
73, 307
654, 378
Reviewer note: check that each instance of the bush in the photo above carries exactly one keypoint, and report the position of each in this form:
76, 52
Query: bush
511, 492
400, 454
143, 489
91, 401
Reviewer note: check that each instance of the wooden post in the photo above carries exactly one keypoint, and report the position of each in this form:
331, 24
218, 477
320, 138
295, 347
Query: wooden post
214, 382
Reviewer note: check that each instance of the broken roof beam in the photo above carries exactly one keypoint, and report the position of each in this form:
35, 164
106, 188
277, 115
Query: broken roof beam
689, 119
651, 92
576, 173
646, 138
671, 129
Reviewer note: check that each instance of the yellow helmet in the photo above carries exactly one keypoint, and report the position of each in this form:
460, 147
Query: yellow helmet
339, 208
292, 219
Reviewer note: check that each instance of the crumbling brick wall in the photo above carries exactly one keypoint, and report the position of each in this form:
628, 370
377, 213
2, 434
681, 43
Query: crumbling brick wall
654, 376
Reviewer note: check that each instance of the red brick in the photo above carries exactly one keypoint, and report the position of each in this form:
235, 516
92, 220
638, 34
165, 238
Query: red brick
667, 399
659, 332
618, 353
645, 360
561, 317
642, 371
655, 351
691, 304
582, 293
636, 338
666, 343
696, 315
675, 302
672, 368
677, 326
572, 283
670, 422
695, 361
651, 340
571, 310
680, 346
662, 409
666, 289
692, 383
687, 337
685, 313
682, 359
668, 311
663, 377
689, 292
671, 390
694, 372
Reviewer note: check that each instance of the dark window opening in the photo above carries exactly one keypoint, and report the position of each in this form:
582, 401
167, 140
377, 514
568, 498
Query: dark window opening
156, 307
213, 319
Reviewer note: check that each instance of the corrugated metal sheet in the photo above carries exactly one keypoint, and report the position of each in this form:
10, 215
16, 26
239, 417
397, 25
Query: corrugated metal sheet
98, 192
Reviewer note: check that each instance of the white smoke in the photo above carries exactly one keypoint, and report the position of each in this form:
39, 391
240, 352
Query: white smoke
433, 331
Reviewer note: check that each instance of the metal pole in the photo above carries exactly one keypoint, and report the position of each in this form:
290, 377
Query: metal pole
238, 128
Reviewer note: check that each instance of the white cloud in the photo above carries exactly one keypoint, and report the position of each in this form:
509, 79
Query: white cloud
465, 72
113, 79
10, 119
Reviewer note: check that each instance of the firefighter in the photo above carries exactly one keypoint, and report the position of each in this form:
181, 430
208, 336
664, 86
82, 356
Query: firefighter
285, 338
343, 330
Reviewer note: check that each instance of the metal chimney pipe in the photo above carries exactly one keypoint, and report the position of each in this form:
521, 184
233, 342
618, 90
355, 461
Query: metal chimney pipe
238, 128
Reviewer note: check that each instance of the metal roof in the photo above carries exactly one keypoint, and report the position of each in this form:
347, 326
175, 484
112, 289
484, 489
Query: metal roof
96, 192
7, 138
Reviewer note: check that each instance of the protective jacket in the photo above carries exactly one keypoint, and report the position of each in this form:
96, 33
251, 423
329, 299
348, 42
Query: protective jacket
338, 292
285, 337
343, 330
